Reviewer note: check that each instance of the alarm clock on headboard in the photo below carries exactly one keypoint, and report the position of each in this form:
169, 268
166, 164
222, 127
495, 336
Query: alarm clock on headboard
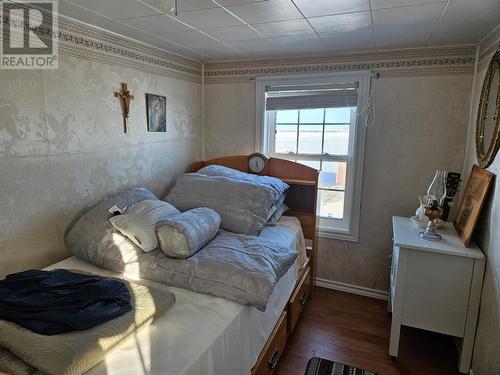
257, 162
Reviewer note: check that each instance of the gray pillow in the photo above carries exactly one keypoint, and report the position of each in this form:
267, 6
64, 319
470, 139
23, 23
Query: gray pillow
92, 237
182, 235
137, 230
277, 214
153, 211
275, 185
243, 206
276, 205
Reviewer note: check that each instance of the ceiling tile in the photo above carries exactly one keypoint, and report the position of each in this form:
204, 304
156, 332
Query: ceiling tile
191, 38
394, 37
266, 11
380, 4
299, 42
201, 43
131, 32
214, 49
284, 28
209, 18
178, 49
117, 8
252, 46
406, 27
280, 47
232, 33
314, 8
159, 24
407, 17
357, 40
81, 14
294, 46
237, 2
184, 5
482, 17
341, 22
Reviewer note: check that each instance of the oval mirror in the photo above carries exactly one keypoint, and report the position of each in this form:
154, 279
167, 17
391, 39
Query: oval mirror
487, 125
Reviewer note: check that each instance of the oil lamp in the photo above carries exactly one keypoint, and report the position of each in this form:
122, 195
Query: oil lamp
436, 194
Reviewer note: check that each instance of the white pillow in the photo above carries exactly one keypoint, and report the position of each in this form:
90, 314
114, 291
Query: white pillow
137, 229
153, 211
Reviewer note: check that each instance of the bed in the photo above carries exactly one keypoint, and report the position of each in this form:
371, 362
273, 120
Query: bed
200, 334
203, 334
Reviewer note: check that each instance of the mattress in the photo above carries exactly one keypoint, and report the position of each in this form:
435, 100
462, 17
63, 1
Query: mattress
200, 334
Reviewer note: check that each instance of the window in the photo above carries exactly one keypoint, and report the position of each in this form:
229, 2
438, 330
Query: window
317, 122
318, 138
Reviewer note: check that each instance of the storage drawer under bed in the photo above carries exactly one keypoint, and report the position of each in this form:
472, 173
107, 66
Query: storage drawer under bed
271, 354
298, 300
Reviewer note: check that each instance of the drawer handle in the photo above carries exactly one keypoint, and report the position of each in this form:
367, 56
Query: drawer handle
303, 298
273, 361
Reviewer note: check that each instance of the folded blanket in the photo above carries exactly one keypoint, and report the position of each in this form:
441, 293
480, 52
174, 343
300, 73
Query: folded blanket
25, 352
53, 302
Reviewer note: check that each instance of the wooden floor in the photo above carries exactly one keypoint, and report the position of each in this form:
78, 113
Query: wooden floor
354, 330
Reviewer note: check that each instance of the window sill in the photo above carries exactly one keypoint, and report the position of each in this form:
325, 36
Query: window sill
337, 234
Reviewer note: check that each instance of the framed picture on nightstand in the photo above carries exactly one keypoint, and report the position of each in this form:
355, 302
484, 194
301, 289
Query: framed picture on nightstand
472, 202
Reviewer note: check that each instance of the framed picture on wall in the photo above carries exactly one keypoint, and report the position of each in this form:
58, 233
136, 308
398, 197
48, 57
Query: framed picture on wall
156, 112
472, 202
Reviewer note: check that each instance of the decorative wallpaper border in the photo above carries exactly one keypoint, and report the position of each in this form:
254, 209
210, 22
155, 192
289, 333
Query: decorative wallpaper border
86, 42
83, 41
416, 62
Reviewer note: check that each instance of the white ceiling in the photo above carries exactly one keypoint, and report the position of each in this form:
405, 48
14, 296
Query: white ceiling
234, 29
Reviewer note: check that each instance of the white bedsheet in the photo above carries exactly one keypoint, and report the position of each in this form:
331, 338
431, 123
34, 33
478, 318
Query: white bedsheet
200, 334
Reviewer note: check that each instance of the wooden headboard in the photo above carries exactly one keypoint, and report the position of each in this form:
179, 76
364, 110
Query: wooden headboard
301, 196
280, 168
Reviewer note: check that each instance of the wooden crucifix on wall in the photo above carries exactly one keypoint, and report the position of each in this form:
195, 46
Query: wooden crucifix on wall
125, 99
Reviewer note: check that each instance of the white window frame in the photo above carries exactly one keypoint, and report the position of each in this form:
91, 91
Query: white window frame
348, 227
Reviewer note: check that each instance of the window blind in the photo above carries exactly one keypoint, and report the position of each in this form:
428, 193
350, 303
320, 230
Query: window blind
333, 96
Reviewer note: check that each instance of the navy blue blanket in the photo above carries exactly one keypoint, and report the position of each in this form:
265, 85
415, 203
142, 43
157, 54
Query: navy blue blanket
53, 302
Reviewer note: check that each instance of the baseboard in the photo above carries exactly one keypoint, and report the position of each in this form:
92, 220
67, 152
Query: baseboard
349, 288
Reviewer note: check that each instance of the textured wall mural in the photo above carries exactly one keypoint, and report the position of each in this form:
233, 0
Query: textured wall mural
62, 147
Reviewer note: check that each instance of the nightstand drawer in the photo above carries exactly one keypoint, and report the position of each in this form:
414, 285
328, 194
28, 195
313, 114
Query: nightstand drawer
436, 292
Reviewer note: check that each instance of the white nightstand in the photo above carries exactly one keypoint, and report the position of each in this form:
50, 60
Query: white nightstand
435, 286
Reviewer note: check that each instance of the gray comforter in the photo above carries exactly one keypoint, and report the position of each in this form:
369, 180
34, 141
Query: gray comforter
238, 267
